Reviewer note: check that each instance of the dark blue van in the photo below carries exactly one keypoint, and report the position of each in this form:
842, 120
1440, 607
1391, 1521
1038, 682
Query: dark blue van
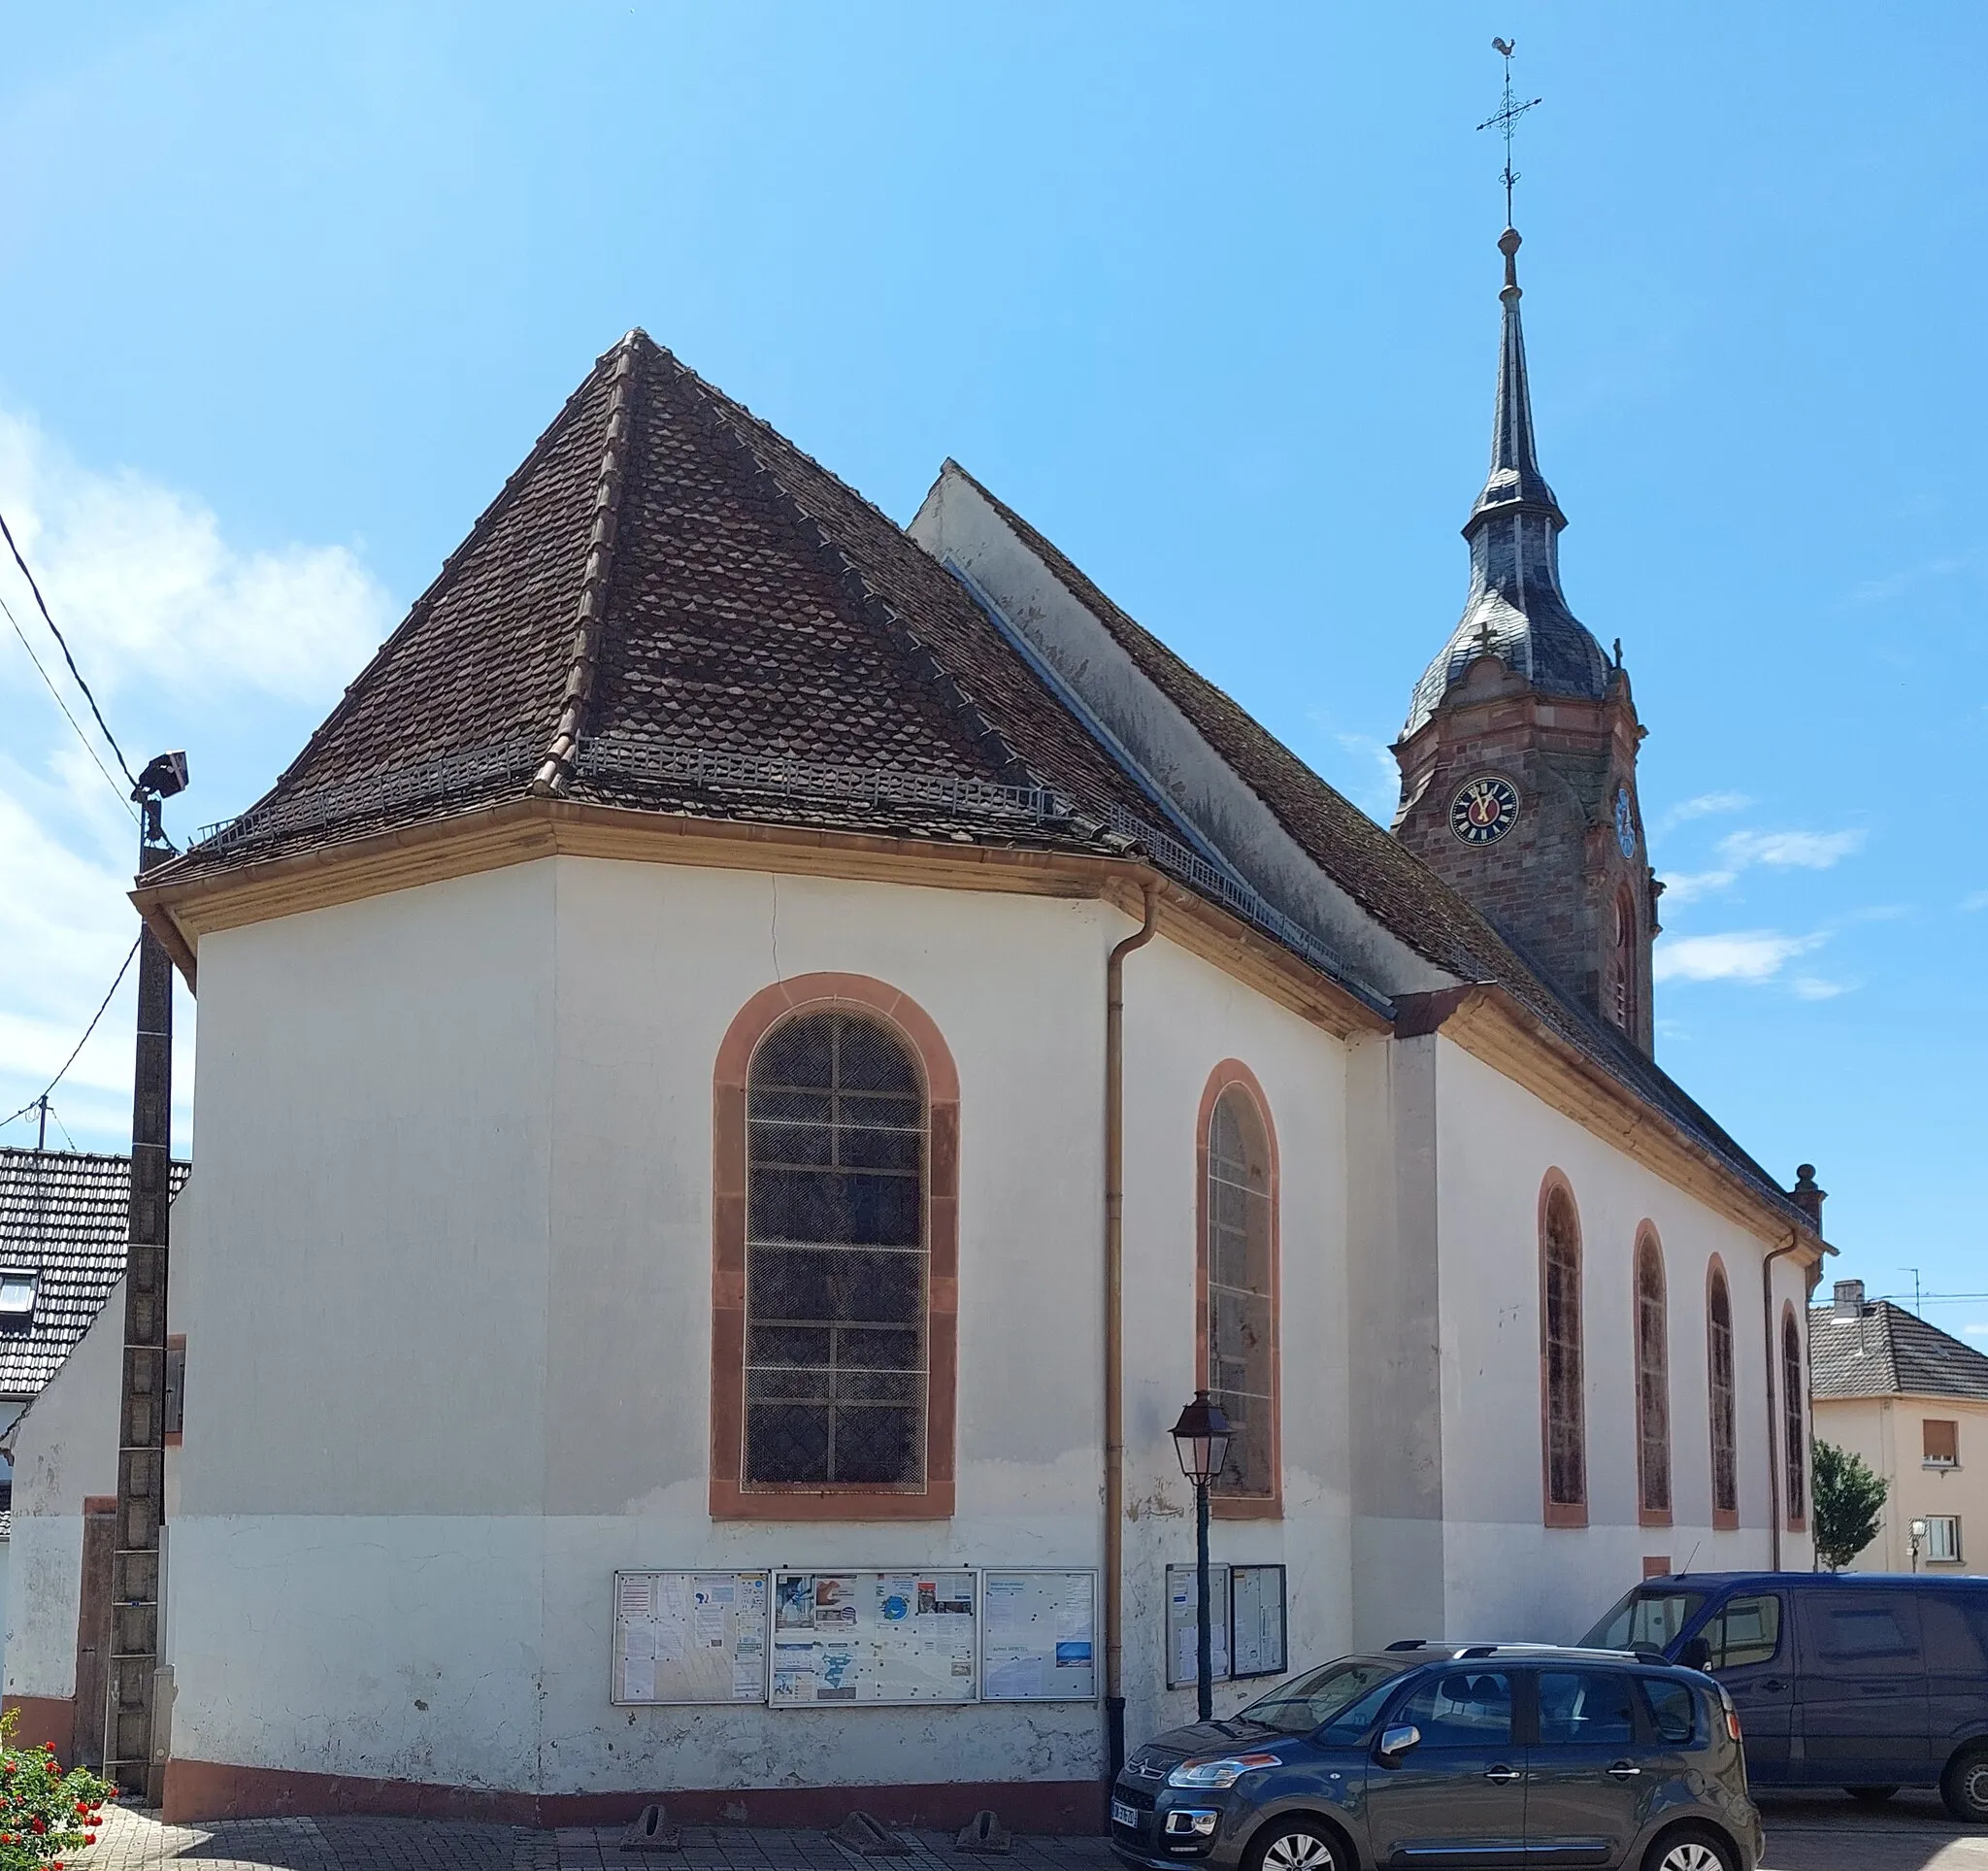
1865, 1681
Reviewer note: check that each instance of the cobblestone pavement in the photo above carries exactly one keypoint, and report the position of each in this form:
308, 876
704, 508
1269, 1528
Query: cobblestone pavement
1825, 1833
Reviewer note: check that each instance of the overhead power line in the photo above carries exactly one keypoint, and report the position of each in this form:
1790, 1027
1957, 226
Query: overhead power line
63, 643
96, 760
80, 1044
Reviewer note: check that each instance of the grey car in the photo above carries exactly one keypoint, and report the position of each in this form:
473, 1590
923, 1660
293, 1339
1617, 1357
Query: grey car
1463, 1754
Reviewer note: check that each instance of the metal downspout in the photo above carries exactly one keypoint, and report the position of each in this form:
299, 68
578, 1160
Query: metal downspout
1775, 1452
1114, 1324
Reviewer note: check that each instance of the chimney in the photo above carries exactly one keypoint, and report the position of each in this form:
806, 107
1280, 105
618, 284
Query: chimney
1807, 1197
1849, 1306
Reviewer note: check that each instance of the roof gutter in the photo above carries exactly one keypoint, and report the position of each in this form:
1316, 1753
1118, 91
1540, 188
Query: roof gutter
1114, 1324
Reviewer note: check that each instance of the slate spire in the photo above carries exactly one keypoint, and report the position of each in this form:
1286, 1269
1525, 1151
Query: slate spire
1515, 609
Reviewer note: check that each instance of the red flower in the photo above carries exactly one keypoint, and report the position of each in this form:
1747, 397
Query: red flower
36, 1825
89, 1838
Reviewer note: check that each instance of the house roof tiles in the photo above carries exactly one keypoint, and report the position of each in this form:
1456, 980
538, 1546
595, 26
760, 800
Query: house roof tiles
1886, 1351
64, 1217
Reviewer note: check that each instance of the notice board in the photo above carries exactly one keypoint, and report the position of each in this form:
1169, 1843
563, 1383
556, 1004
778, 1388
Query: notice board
690, 1637
1256, 1620
1039, 1635
1182, 1626
874, 1637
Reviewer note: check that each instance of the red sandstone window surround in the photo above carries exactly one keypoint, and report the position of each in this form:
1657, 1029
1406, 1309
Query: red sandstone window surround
1236, 1286
835, 1273
1652, 1383
1562, 1414
1721, 1399
1794, 1437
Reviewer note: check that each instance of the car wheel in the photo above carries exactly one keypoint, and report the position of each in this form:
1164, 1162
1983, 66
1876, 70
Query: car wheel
1693, 1850
1295, 1845
1964, 1785
1871, 1795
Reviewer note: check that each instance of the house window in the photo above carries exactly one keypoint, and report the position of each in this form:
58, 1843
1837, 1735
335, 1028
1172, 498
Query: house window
1724, 1434
1561, 1360
835, 1257
1239, 1271
1794, 1432
17, 1299
1941, 1441
1943, 1539
1652, 1384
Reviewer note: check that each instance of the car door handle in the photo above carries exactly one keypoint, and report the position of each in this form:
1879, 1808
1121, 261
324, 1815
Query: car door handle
1503, 1774
1774, 1685
1622, 1770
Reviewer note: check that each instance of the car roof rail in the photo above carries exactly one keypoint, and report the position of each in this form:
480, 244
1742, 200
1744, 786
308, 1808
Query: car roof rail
1644, 1654
1479, 1650
1409, 1644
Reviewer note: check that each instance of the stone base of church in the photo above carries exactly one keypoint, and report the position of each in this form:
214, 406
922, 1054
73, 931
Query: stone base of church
205, 1790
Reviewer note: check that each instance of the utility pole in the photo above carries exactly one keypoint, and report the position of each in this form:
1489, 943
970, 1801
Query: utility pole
135, 1565
42, 1135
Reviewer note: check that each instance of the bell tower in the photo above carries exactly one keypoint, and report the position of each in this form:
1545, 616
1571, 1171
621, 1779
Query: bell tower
1518, 756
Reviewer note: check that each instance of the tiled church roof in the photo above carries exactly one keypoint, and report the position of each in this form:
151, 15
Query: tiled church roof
1887, 1351
65, 1216
669, 606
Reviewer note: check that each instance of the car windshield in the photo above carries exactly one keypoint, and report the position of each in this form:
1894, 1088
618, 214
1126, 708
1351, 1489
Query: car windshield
1645, 1621
1311, 1701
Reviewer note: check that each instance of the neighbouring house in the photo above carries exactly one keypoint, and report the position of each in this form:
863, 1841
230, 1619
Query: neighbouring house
758, 1058
1914, 1402
63, 1222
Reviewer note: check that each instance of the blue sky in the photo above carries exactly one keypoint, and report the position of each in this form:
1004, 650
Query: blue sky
1211, 296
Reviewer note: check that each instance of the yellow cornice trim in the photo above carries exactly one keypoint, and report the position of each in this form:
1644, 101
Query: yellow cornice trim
519, 832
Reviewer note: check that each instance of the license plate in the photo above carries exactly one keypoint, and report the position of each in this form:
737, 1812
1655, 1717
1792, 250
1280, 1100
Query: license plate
1123, 1814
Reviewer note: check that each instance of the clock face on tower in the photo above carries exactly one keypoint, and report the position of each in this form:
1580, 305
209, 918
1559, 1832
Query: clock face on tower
1484, 809
1625, 823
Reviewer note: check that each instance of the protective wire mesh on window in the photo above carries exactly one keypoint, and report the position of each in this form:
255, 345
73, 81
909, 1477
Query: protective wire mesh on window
835, 1257
1652, 1379
1567, 1471
1794, 1442
1725, 1475
1239, 1375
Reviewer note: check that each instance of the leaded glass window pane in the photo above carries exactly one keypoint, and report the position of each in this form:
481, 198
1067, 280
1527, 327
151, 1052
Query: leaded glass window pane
1240, 1367
1567, 1474
1652, 1380
1725, 1470
836, 1256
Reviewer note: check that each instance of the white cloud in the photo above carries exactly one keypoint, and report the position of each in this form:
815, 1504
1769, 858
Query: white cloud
142, 573
1974, 900
1815, 988
1704, 805
1979, 1328
1746, 955
1809, 850
1687, 886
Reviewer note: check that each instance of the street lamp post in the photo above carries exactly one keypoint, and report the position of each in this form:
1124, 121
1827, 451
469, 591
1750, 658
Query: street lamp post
1915, 1538
1201, 1439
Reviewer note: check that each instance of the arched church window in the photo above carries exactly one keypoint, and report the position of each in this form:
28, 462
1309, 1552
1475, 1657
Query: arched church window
1794, 1432
1652, 1384
1561, 1360
1719, 1369
835, 1256
1625, 961
1238, 1281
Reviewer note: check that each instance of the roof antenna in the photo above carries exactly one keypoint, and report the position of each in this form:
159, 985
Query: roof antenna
1506, 118
1685, 1568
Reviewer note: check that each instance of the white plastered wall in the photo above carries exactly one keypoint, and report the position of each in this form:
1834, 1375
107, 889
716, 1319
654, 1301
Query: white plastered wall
446, 1301
1507, 1575
64, 1451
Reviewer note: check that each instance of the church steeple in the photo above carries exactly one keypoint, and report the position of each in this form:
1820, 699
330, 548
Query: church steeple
1518, 758
1514, 607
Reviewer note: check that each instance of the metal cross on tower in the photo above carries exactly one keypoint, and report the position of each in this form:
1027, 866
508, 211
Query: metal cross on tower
1506, 118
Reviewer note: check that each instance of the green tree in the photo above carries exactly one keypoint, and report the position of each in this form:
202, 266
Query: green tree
1849, 1496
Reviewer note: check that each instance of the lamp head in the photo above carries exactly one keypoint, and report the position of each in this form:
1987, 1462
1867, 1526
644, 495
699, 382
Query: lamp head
162, 778
1201, 1439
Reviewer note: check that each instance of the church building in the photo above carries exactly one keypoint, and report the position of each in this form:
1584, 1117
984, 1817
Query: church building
759, 1057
